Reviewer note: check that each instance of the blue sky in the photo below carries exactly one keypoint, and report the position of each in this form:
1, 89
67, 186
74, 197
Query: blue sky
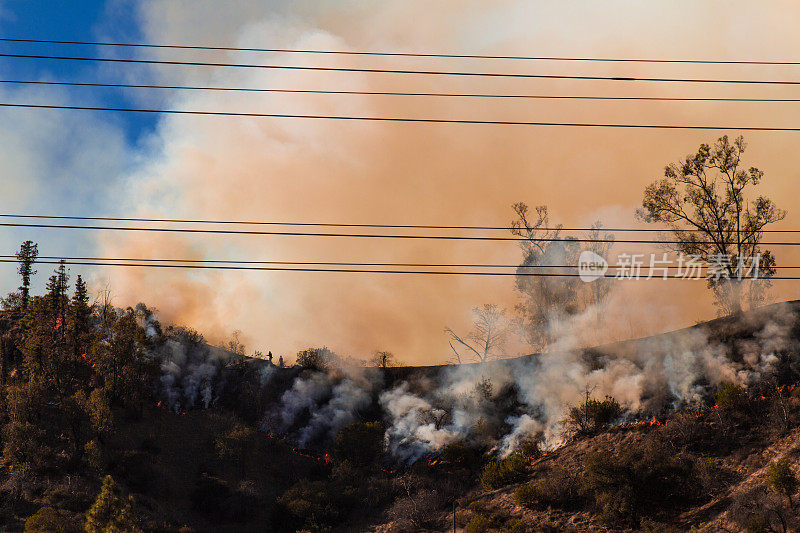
64, 162
84, 20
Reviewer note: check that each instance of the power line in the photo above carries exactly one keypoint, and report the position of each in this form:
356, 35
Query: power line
329, 263
289, 269
357, 235
401, 119
399, 71
343, 225
300, 263
396, 93
402, 54
352, 271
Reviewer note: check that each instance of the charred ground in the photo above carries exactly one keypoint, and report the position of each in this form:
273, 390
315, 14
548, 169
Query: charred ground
198, 438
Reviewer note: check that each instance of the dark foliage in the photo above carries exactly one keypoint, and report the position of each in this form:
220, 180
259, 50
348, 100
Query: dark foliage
594, 415
360, 443
640, 480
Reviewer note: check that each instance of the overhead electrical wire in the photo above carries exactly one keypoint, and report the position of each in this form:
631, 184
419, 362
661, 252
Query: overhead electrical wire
357, 235
347, 225
400, 54
395, 93
238, 265
352, 271
57, 259
399, 71
400, 119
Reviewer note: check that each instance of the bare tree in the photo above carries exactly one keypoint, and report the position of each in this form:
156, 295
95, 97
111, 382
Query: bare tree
235, 344
487, 338
383, 359
704, 203
547, 250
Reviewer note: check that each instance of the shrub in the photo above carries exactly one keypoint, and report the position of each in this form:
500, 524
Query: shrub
782, 479
731, 397
531, 447
315, 358
186, 335
557, 489
640, 480
50, 520
461, 453
594, 415
504, 472
712, 475
692, 433
482, 523
420, 508
360, 443
529, 496
238, 447
317, 505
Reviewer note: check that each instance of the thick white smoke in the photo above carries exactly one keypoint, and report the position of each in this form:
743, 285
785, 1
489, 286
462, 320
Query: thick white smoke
649, 376
190, 374
320, 403
499, 404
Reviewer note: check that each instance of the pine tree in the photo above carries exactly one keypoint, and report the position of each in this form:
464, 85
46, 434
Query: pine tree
28, 252
81, 316
111, 512
57, 291
123, 364
58, 302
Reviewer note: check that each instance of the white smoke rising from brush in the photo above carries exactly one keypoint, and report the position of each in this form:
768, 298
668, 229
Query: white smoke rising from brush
319, 404
346, 399
525, 427
498, 405
189, 375
412, 433
647, 377
304, 394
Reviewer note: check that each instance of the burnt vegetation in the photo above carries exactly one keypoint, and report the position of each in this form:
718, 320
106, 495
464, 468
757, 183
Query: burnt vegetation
98, 436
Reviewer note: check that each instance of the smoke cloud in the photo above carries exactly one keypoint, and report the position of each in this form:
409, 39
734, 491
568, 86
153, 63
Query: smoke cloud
262, 169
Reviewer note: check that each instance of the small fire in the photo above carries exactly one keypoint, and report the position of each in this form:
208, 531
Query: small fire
326, 459
88, 360
438, 462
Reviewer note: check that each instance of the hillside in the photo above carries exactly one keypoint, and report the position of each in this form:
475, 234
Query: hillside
731, 446
680, 430
734, 486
